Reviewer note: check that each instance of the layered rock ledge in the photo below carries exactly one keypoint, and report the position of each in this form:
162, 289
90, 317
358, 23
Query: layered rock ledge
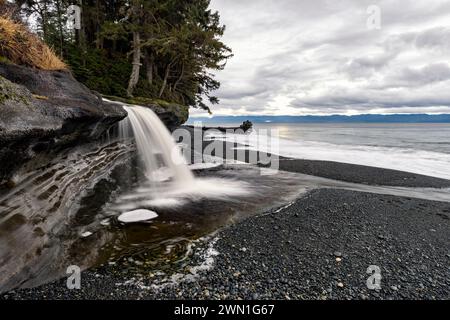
42, 112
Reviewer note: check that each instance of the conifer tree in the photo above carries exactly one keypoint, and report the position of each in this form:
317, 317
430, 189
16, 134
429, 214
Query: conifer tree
160, 49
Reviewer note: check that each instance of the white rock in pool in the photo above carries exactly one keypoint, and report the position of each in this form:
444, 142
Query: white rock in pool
86, 234
137, 216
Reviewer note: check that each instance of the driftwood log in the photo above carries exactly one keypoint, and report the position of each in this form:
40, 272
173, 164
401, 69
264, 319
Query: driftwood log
245, 126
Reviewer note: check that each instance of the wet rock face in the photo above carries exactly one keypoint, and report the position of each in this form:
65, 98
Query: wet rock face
173, 115
44, 111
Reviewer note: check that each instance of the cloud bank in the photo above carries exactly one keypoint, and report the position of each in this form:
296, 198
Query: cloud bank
298, 57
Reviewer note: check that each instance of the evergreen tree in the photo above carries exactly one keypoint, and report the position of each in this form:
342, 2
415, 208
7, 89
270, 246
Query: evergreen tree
160, 49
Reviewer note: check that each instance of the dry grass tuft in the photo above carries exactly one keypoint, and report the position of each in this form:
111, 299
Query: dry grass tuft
20, 46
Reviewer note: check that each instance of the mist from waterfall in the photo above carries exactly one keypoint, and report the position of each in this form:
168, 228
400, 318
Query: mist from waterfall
169, 181
160, 155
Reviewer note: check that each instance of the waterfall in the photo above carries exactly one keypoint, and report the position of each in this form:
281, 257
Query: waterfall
169, 181
160, 155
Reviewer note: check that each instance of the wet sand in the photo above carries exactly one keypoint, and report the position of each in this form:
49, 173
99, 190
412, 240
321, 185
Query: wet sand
361, 174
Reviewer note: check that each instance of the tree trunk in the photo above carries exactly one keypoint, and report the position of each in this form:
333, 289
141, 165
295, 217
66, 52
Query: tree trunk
134, 77
99, 38
149, 61
44, 25
179, 78
60, 28
82, 35
166, 77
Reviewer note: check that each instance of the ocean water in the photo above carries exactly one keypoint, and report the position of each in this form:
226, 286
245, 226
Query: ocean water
416, 148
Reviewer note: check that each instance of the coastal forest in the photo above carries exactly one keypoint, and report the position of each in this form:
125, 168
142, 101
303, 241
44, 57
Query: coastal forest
161, 50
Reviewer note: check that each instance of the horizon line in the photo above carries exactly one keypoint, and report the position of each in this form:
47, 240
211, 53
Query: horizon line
327, 115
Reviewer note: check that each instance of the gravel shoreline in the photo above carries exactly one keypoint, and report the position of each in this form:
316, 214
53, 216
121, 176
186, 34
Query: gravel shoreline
361, 174
318, 247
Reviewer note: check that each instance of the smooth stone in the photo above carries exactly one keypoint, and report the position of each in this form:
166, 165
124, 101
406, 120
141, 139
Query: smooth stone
86, 234
105, 222
137, 216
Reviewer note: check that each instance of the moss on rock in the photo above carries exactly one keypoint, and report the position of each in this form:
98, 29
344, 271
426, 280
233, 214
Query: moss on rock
159, 106
8, 91
5, 60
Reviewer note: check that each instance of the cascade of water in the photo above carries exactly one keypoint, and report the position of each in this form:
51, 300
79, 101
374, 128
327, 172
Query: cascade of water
160, 155
169, 181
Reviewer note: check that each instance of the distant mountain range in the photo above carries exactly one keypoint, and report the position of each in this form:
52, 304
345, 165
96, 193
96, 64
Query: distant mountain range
364, 118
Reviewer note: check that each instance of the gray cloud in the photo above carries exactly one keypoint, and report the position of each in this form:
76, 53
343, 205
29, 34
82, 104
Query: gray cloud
365, 100
366, 66
436, 38
318, 57
414, 77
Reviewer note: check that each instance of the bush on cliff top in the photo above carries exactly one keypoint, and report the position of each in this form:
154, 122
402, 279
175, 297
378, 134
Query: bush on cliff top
20, 46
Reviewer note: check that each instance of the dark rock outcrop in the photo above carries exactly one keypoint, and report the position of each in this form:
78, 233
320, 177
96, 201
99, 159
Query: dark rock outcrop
172, 114
45, 111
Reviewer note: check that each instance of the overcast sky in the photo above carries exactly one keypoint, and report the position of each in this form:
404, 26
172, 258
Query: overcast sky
295, 57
